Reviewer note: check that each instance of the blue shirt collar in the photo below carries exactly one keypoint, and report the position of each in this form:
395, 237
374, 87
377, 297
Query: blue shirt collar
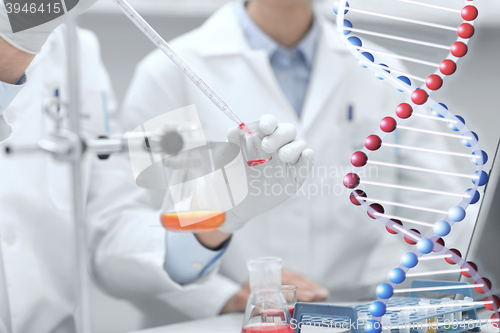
258, 39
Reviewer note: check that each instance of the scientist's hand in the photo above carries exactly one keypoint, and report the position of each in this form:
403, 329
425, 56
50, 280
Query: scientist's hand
307, 291
284, 174
31, 40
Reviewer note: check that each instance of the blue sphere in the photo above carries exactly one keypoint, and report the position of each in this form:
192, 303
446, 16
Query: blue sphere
458, 125
469, 139
373, 326
385, 291
442, 228
473, 198
378, 72
377, 309
363, 57
409, 260
480, 179
425, 246
479, 160
355, 41
347, 24
456, 214
385, 70
404, 79
439, 110
397, 275
368, 56
335, 7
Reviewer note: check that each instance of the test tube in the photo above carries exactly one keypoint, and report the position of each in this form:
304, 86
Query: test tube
457, 310
465, 300
386, 324
421, 324
431, 322
448, 318
404, 321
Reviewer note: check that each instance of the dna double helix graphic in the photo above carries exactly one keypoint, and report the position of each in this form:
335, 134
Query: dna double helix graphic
418, 98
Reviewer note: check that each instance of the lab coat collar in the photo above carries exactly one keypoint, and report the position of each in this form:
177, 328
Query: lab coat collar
258, 39
222, 34
326, 75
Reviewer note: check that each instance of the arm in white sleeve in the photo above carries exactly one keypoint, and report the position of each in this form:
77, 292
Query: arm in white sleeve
7, 93
127, 239
127, 245
187, 260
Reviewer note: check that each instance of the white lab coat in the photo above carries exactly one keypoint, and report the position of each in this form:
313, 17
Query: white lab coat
36, 228
35, 192
320, 235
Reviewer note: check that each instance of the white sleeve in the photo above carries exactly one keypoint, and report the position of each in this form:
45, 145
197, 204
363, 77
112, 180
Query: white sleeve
7, 93
127, 244
127, 240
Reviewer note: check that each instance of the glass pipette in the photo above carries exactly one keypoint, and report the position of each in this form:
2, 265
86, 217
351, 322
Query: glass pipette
163, 46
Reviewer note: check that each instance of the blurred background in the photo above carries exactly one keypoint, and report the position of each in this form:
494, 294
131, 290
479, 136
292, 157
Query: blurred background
472, 92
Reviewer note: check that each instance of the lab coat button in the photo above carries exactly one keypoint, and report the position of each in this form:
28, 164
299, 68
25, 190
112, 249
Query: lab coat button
197, 265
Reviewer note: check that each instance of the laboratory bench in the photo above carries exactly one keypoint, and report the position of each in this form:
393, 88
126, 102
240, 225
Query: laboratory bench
231, 323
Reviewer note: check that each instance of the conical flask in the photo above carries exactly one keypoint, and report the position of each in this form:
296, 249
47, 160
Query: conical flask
192, 202
266, 309
199, 180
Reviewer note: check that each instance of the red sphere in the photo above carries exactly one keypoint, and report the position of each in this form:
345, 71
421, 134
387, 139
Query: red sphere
487, 282
410, 240
388, 124
449, 260
392, 231
458, 49
468, 273
440, 241
434, 82
465, 30
351, 180
358, 159
404, 110
495, 320
373, 142
448, 67
419, 96
469, 13
495, 305
353, 198
378, 208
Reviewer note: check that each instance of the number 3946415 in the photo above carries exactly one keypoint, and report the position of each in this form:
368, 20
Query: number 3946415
32, 8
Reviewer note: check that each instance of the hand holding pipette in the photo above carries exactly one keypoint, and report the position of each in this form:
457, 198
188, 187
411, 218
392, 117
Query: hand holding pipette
286, 154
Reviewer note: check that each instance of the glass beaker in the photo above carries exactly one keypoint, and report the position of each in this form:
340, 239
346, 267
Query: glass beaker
290, 294
266, 309
198, 196
251, 145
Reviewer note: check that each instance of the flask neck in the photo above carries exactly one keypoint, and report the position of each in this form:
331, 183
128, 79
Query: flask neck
265, 275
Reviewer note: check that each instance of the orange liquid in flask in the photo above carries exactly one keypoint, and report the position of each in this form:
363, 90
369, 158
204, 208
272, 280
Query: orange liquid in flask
193, 221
